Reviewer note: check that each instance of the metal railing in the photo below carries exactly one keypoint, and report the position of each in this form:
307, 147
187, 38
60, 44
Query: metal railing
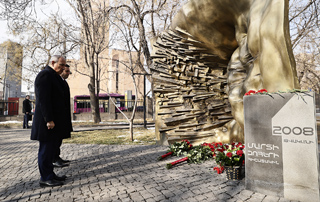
9, 108
81, 106
128, 105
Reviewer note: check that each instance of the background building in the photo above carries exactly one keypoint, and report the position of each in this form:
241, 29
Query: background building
10, 70
115, 75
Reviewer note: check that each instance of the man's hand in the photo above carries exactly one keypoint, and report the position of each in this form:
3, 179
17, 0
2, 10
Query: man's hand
50, 125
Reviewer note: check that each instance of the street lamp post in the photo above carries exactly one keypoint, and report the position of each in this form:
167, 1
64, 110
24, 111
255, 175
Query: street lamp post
144, 97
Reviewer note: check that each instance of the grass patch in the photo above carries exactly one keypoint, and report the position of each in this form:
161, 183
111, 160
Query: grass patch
141, 136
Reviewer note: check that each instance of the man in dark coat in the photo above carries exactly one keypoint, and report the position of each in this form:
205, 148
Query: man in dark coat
27, 111
50, 123
58, 161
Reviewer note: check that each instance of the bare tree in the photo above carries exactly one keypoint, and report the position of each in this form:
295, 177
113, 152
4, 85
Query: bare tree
305, 37
131, 66
40, 39
303, 18
94, 41
145, 20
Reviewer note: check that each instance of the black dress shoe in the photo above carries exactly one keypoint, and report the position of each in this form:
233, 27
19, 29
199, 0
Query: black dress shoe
59, 164
60, 178
50, 183
64, 161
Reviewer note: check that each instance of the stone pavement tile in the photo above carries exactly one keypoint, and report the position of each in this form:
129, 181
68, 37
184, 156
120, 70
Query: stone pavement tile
136, 196
121, 192
223, 196
130, 189
200, 197
175, 198
166, 200
151, 200
257, 197
145, 194
123, 196
104, 199
271, 199
233, 200
126, 200
167, 193
154, 192
284, 200
210, 196
116, 200
244, 195
234, 190
160, 198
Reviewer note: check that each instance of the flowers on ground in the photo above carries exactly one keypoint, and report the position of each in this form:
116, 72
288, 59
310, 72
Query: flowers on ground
219, 169
224, 154
200, 153
169, 165
177, 149
197, 154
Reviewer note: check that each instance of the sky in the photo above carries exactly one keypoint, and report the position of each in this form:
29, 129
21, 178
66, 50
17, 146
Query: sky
4, 35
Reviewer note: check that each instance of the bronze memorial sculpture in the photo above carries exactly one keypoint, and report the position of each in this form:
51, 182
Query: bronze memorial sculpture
214, 52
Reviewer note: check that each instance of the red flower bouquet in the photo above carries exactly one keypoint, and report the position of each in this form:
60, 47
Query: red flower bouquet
232, 155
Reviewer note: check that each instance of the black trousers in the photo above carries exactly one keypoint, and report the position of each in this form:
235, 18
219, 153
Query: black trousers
25, 121
57, 152
46, 155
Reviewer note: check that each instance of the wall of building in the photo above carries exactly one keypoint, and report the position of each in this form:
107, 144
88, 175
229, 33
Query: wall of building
115, 77
10, 69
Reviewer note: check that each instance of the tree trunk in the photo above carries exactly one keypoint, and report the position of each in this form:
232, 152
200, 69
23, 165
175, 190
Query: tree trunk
94, 98
131, 129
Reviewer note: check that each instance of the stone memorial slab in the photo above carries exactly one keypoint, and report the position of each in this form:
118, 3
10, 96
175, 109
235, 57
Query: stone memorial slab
282, 145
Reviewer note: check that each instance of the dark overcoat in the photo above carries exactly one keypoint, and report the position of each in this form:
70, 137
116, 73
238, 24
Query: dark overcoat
26, 106
67, 92
50, 106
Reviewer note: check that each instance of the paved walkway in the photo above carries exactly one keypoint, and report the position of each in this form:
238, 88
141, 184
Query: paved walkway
112, 173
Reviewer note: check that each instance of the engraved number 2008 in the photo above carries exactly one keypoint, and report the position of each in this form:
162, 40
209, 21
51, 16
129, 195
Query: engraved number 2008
296, 130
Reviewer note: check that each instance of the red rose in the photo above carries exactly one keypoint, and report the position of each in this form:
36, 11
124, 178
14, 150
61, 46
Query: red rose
239, 152
262, 91
250, 92
229, 154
